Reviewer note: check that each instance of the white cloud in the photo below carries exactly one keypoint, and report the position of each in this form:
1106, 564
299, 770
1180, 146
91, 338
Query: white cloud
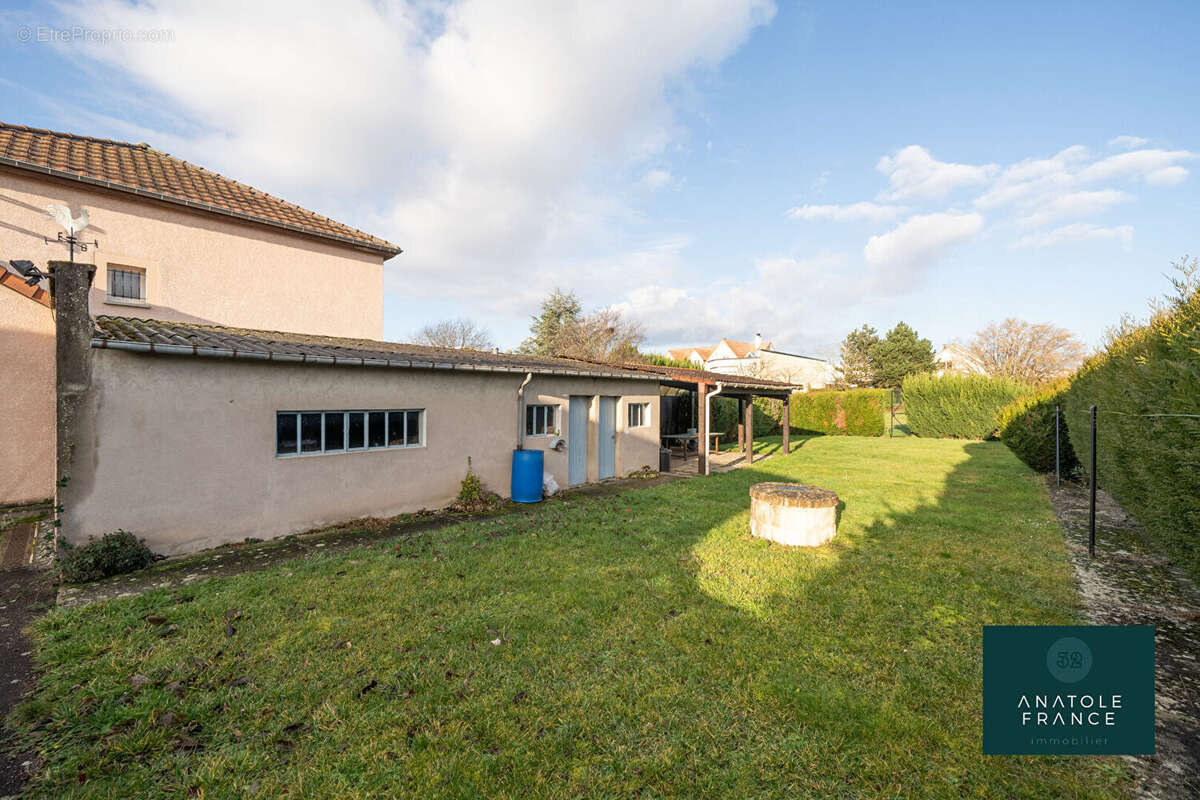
1167, 176
871, 212
921, 240
656, 179
1073, 204
914, 174
1077, 232
482, 136
1127, 142
1163, 164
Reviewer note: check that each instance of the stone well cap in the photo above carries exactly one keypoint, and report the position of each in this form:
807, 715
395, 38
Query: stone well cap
794, 495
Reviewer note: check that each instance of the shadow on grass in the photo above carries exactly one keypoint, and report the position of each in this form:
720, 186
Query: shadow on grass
635, 643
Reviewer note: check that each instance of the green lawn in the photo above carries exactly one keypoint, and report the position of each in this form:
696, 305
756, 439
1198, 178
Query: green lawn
647, 645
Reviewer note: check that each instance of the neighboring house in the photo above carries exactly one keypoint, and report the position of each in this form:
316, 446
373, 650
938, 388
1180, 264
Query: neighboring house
759, 359
954, 359
27, 390
176, 242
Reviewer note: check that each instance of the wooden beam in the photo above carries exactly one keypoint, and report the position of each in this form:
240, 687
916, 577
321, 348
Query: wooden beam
702, 429
750, 430
741, 415
787, 425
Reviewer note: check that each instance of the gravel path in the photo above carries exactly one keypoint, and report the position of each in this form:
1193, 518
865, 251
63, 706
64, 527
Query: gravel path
1129, 584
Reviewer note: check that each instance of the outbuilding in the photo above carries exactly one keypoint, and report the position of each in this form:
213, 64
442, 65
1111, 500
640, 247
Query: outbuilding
192, 435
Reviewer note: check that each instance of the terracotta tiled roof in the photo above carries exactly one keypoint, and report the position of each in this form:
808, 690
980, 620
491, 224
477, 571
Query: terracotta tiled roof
144, 171
179, 338
741, 349
15, 282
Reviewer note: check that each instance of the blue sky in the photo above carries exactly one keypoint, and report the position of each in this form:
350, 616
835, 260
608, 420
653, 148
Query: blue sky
711, 168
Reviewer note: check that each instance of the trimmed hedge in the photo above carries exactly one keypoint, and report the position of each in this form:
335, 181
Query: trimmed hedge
1027, 427
854, 412
957, 406
1150, 465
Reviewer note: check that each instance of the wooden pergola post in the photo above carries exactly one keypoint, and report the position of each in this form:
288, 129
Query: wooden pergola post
787, 423
741, 428
750, 429
702, 428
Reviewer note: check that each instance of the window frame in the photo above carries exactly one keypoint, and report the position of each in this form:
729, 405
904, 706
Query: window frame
548, 427
644, 408
121, 300
323, 450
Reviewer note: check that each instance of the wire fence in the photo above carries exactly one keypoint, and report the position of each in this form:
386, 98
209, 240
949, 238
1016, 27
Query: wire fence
1092, 414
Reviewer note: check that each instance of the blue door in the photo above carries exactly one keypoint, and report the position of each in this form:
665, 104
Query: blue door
577, 439
607, 437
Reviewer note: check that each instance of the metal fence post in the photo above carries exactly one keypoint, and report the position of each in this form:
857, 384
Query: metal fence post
1092, 501
1057, 462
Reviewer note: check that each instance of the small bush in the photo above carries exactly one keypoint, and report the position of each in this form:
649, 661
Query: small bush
853, 412
1027, 427
473, 496
113, 554
958, 406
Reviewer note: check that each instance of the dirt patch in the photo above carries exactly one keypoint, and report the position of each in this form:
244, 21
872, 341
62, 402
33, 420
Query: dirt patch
24, 594
1128, 583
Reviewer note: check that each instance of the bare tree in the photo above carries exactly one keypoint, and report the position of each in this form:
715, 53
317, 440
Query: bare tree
456, 334
603, 335
1026, 351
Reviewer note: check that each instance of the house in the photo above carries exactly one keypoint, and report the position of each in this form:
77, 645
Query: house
954, 359
759, 359
169, 240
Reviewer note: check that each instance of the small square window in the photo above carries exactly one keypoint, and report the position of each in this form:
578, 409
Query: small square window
126, 283
639, 415
540, 420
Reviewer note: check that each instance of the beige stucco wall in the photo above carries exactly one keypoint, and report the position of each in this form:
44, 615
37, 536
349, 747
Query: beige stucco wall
181, 450
200, 267
27, 391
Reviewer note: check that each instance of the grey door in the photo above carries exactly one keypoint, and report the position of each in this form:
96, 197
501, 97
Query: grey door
577, 439
607, 455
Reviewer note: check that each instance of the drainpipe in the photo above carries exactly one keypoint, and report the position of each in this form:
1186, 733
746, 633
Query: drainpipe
521, 410
708, 424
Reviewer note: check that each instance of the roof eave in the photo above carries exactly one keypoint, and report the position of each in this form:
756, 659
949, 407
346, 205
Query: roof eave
390, 249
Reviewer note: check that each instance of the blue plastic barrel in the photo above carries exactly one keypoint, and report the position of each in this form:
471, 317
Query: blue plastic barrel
527, 476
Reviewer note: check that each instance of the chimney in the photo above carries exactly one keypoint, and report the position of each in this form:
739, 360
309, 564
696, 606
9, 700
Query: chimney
70, 288
757, 342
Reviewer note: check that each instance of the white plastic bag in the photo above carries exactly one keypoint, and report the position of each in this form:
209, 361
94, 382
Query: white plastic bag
549, 485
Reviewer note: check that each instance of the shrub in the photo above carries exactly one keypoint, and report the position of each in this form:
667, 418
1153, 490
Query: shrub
1150, 465
854, 412
113, 554
473, 496
1027, 427
725, 417
957, 406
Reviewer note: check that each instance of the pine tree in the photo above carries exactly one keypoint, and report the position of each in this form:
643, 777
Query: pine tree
902, 352
855, 368
560, 311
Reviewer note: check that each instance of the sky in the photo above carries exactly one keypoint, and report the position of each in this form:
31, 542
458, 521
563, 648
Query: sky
710, 168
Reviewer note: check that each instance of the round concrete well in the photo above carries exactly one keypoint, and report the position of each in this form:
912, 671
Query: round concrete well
793, 514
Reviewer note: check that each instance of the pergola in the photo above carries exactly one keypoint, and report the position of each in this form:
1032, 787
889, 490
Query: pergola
740, 387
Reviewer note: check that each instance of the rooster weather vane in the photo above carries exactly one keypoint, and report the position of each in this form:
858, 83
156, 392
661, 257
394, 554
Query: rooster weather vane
72, 225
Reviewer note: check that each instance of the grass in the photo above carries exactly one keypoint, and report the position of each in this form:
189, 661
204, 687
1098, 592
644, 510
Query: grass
609, 646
